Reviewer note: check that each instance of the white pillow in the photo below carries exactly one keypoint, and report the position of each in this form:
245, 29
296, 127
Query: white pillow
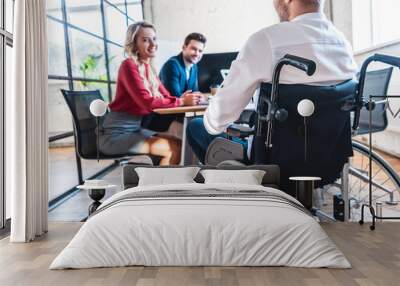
166, 176
248, 177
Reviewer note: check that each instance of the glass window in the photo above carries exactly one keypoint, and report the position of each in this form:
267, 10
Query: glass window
87, 56
89, 85
8, 80
115, 57
386, 20
60, 119
374, 22
9, 15
116, 24
135, 10
62, 171
120, 4
56, 48
54, 8
85, 14
113, 90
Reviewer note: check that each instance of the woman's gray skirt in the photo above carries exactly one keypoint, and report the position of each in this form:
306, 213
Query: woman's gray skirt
121, 133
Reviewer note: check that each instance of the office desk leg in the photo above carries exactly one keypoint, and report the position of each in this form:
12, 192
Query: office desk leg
186, 150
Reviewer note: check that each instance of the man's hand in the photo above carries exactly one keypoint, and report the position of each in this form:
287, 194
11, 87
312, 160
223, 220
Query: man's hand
191, 98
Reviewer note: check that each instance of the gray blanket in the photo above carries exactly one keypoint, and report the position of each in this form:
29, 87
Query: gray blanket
207, 194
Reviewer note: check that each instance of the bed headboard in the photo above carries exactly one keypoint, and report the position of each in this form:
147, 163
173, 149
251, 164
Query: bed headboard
130, 178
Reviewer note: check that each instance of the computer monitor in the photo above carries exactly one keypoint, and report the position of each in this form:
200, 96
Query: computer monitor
210, 68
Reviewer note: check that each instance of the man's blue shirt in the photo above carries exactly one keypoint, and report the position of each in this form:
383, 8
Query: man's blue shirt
173, 76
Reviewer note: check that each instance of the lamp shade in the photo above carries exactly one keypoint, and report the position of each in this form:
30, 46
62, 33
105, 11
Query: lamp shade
305, 108
98, 107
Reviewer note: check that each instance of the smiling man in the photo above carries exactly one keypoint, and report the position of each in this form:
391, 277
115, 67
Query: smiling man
179, 73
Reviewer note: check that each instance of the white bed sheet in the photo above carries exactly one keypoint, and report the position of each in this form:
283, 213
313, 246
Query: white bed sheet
200, 232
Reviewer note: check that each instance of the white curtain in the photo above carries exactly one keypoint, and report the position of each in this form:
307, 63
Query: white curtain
26, 129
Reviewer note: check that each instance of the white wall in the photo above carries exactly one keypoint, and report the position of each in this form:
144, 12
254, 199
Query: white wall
227, 24
342, 11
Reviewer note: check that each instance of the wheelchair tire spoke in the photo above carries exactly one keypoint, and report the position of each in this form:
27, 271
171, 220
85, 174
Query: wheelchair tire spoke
385, 186
374, 176
385, 181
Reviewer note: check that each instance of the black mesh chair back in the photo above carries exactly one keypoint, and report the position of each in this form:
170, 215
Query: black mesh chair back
85, 126
376, 83
84, 122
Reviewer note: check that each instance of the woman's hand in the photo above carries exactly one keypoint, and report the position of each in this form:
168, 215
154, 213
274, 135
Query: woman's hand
189, 98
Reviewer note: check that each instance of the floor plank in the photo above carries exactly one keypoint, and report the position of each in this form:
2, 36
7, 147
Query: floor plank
375, 257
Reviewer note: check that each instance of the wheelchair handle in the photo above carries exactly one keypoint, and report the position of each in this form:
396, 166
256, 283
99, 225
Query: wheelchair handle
306, 65
390, 60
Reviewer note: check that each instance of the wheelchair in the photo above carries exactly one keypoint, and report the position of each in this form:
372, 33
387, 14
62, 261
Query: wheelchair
335, 150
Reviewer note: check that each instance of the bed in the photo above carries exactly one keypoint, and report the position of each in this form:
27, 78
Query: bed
201, 224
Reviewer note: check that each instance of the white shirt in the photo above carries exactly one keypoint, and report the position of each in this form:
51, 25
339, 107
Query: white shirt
188, 67
309, 36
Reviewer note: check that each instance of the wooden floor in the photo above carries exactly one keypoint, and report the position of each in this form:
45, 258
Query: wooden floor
375, 257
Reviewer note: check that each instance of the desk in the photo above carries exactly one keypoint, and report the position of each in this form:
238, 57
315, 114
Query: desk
181, 109
189, 112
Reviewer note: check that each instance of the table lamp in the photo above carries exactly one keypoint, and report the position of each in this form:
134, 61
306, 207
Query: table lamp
305, 108
98, 108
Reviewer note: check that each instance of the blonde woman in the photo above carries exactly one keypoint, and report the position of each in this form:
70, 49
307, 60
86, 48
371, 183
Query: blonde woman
139, 91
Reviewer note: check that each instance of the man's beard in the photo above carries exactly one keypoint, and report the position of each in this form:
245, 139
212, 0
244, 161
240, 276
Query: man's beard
190, 60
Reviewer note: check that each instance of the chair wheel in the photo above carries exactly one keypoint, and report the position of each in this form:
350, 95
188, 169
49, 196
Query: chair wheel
372, 227
361, 222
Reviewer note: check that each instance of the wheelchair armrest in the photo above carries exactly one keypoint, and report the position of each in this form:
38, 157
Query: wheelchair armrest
241, 131
246, 117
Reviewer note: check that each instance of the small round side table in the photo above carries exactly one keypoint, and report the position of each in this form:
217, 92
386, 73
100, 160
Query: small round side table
304, 190
96, 193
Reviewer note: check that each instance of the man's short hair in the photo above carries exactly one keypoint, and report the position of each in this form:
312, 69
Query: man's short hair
196, 37
315, 3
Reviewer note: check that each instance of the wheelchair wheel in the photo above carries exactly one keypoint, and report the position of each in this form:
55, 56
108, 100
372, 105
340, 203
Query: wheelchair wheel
385, 183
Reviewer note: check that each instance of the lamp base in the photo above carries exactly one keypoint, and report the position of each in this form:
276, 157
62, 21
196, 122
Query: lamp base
304, 190
96, 195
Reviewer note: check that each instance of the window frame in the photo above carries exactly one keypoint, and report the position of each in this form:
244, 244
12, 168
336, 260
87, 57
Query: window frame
67, 26
71, 79
6, 39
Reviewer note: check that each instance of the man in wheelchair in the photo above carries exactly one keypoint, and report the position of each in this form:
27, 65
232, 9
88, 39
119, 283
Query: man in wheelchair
304, 31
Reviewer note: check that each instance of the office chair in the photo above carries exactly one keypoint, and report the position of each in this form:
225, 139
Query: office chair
85, 127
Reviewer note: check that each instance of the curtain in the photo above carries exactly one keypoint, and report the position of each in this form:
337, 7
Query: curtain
26, 129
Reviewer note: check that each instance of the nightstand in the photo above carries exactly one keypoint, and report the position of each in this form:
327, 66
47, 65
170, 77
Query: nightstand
96, 191
304, 190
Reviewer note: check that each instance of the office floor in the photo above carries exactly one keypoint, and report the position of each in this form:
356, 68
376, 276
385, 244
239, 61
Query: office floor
374, 255
63, 176
63, 171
